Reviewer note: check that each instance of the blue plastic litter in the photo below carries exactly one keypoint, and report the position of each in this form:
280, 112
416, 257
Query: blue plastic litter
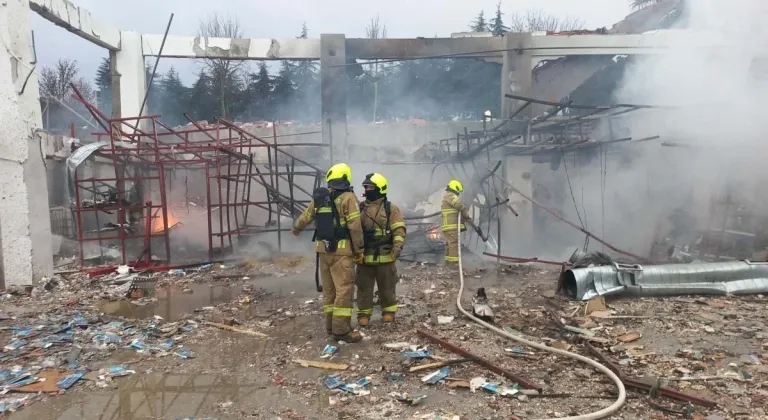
436, 376
117, 371
419, 354
106, 338
24, 332
115, 324
71, 379
11, 405
333, 382
167, 344
501, 390
138, 344
79, 321
183, 354
15, 344
328, 351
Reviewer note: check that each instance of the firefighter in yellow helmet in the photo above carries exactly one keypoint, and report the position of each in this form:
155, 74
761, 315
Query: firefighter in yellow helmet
450, 208
384, 233
339, 237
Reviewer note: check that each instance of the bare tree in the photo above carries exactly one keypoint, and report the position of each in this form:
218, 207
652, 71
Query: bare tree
376, 30
538, 20
55, 81
641, 4
225, 74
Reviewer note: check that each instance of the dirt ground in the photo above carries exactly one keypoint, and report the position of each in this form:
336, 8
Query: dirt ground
711, 347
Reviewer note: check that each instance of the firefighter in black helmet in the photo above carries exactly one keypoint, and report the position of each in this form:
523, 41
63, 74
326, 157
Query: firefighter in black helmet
384, 233
340, 245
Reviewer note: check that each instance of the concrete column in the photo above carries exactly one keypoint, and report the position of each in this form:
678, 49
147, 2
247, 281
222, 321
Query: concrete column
25, 224
129, 76
334, 92
516, 69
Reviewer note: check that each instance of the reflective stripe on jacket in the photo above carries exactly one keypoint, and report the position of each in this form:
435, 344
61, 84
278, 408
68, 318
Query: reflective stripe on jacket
450, 208
374, 219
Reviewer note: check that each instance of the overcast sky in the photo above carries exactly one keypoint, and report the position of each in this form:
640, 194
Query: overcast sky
283, 19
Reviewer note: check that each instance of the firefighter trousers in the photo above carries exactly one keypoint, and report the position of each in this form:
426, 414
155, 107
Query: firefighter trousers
383, 275
451, 246
338, 275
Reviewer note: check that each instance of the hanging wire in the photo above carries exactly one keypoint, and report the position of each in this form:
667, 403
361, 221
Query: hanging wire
568, 178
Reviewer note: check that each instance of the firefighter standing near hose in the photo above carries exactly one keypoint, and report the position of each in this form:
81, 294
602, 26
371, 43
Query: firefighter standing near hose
450, 208
339, 237
384, 233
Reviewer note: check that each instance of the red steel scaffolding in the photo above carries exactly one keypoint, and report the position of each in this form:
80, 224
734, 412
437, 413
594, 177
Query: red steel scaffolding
239, 168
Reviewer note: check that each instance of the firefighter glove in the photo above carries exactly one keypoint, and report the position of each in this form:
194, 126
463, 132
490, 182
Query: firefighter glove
295, 232
395, 253
359, 257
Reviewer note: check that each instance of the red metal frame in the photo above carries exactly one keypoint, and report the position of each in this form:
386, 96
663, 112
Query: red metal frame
139, 151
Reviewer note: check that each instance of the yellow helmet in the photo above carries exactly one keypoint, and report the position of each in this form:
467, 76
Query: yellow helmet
376, 179
338, 175
456, 186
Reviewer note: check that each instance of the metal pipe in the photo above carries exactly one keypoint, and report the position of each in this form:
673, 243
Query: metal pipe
720, 278
525, 383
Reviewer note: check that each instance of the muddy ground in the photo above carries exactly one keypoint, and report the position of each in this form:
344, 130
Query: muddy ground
240, 376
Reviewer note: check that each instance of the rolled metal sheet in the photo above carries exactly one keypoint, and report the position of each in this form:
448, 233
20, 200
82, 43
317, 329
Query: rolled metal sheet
720, 278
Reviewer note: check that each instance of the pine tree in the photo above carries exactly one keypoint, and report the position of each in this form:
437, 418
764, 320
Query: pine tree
202, 105
260, 93
479, 25
104, 86
306, 81
175, 98
497, 27
284, 91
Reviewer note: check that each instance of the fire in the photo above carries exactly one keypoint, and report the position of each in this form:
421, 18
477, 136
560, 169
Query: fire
157, 221
433, 233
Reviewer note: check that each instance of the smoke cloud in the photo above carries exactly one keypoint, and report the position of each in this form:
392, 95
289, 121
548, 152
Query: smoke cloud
715, 97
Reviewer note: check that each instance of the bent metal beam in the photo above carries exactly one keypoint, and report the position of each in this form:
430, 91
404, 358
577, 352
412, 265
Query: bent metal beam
78, 21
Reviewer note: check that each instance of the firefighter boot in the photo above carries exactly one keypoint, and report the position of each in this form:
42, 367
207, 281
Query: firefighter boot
363, 321
350, 337
388, 317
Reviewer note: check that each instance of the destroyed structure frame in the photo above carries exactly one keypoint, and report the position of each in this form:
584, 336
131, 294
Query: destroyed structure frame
141, 150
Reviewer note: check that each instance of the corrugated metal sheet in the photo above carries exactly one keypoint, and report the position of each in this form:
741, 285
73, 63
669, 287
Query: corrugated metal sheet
734, 277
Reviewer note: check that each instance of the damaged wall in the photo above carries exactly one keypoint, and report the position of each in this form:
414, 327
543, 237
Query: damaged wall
24, 218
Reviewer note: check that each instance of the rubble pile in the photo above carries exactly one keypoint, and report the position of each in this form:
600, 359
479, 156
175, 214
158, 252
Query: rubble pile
700, 357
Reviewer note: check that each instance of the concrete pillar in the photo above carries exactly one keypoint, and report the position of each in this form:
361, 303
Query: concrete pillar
334, 93
129, 76
25, 224
516, 69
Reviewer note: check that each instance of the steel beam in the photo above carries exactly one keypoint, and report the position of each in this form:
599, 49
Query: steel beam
541, 46
649, 43
391, 48
78, 21
231, 48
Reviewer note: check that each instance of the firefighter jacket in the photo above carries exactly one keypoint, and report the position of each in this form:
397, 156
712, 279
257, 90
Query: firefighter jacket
381, 236
349, 216
450, 208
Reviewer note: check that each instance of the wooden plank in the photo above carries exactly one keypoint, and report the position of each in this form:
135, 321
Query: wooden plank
322, 365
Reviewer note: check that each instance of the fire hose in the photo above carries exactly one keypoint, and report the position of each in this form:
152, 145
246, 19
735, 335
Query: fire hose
603, 413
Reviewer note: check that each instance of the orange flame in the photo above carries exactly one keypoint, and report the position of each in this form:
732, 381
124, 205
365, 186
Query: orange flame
434, 234
157, 222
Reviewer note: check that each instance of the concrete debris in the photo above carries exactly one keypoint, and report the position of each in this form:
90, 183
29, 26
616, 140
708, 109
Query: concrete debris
113, 335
